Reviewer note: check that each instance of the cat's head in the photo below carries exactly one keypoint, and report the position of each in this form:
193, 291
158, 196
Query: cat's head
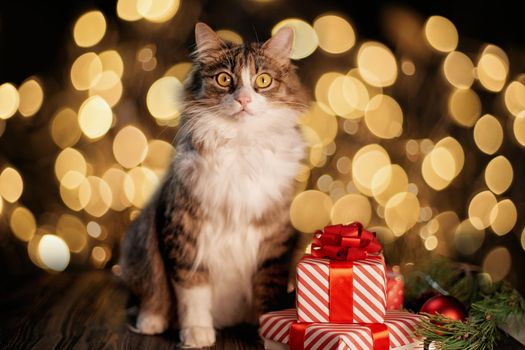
243, 82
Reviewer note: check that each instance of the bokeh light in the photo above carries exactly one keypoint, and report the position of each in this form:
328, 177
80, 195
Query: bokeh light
73, 231
350, 208
488, 134
31, 97
467, 238
480, 209
515, 97
130, 147
11, 184
503, 217
497, 263
377, 65
89, 29
464, 107
230, 35
157, 11
53, 252
22, 223
384, 117
139, 185
367, 162
459, 70
162, 98
128, 10
65, 130
95, 117
493, 68
310, 211
402, 212
335, 34
305, 38
86, 71
9, 100
499, 174
441, 34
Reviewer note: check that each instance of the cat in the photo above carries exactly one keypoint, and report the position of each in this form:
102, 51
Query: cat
215, 240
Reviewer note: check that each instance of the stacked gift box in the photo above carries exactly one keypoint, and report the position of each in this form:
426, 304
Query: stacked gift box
341, 299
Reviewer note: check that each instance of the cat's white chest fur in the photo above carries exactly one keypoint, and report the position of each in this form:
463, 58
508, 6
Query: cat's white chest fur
238, 182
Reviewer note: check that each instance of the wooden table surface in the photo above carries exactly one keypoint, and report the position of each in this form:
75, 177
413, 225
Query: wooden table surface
89, 311
86, 311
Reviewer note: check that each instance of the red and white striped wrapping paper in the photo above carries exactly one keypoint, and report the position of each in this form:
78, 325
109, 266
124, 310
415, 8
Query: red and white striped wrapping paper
368, 290
275, 327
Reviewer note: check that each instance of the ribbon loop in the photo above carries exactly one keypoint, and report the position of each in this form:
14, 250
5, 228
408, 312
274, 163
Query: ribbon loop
345, 242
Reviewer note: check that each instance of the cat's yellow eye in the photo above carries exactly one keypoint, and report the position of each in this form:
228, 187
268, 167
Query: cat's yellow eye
263, 80
223, 79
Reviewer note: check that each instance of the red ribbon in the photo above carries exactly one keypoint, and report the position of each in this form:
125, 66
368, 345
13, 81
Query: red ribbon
345, 242
380, 337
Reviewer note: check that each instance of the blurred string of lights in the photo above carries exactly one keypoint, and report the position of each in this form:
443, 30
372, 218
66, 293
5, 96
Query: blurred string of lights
354, 130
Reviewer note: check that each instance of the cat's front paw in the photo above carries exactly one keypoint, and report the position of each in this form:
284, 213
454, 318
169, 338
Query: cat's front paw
150, 324
197, 337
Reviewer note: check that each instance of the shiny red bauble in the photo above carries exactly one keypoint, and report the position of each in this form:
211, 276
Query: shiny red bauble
445, 305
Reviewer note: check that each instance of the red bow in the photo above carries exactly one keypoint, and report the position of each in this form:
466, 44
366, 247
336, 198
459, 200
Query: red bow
345, 242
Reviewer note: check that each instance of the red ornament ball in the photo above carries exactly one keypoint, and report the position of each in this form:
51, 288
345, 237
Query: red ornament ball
445, 305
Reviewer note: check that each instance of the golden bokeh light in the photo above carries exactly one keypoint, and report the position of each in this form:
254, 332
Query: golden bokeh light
95, 117
11, 184
523, 239
318, 126
431, 243
76, 198
179, 70
230, 35
499, 174
53, 252
441, 165
503, 217
480, 209
140, 183
305, 38
162, 98
430, 175
70, 161
65, 130
112, 61
130, 147
72, 230
109, 87
408, 67
335, 34
89, 29
158, 11
464, 107
324, 182
377, 65
159, 155
441, 34
310, 211
518, 127
127, 10
388, 181
324, 93
488, 134
9, 100
515, 97
351, 207
115, 178
493, 68
31, 97
93, 229
383, 234
100, 255
459, 70
86, 71
22, 223
497, 263
401, 212
384, 117
467, 238
344, 165
100, 197
366, 163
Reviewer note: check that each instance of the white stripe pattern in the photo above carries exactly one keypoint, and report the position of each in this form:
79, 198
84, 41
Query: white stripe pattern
401, 326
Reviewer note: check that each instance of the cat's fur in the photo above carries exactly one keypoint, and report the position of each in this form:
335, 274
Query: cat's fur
215, 240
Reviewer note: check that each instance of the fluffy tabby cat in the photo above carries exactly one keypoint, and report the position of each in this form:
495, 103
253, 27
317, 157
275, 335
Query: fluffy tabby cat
215, 240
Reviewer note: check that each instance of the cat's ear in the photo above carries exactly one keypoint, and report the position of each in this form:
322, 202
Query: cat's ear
280, 45
206, 39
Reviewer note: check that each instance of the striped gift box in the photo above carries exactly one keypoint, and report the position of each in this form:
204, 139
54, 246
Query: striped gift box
364, 294
275, 328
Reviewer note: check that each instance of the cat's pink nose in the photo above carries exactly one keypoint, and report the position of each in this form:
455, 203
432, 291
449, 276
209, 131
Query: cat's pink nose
243, 100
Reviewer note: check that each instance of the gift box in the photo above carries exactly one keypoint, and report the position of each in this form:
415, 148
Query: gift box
394, 288
280, 330
344, 280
